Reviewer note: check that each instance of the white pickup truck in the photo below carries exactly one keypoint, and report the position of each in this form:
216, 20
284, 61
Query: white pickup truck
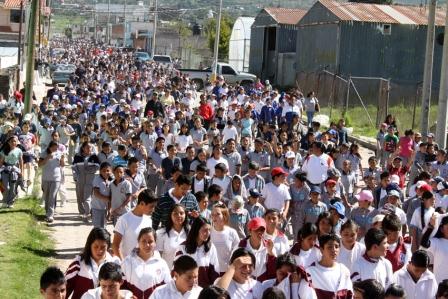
200, 77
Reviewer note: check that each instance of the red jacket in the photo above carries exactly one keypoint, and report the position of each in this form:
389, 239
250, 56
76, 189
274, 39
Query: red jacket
398, 257
206, 111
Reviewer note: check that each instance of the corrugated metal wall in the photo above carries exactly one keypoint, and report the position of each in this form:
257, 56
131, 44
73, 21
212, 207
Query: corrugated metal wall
287, 38
256, 50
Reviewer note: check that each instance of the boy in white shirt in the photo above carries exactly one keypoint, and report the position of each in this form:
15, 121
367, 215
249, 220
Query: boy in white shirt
184, 285
416, 279
373, 263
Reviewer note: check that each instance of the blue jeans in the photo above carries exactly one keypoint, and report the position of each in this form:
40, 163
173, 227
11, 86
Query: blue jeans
309, 116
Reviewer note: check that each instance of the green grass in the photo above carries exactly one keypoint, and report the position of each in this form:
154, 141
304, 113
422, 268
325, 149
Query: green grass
357, 118
26, 250
63, 21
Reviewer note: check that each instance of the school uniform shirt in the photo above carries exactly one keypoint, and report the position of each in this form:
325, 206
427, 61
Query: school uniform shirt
104, 188
143, 277
439, 249
82, 277
363, 217
118, 193
265, 267
256, 210
316, 168
323, 282
225, 241
96, 294
399, 254
211, 163
250, 290
275, 196
425, 287
304, 258
51, 170
291, 290
137, 181
310, 212
233, 160
170, 291
129, 226
281, 242
168, 243
103, 157
348, 256
207, 262
223, 183
367, 268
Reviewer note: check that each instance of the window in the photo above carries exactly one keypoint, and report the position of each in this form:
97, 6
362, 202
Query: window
387, 29
14, 16
227, 70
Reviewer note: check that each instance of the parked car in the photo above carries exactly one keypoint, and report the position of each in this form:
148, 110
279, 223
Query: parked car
61, 77
200, 77
142, 56
163, 59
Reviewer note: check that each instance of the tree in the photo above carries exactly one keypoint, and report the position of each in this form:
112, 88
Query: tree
224, 34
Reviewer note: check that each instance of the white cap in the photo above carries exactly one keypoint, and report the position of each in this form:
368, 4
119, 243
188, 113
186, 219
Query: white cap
290, 154
395, 179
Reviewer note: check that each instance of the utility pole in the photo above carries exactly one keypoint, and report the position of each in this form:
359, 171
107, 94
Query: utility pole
19, 52
216, 49
153, 50
443, 92
124, 23
39, 26
49, 22
108, 33
30, 56
427, 74
95, 22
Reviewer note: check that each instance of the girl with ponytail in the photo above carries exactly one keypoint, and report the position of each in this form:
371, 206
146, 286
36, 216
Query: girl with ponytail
305, 251
421, 217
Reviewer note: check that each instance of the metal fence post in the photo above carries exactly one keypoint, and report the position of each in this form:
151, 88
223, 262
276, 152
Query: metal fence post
348, 96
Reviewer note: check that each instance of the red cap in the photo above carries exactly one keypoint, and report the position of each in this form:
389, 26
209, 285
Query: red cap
256, 223
330, 182
425, 187
278, 171
18, 95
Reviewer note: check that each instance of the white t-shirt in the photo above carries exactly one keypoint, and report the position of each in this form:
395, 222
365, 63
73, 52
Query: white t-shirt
168, 245
275, 196
225, 241
129, 226
96, 294
183, 141
249, 290
348, 257
170, 291
145, 275
416, 219
211, 163
367, 268
316, 168
228, 133
281, 242
426, 286
307, 257
439, 249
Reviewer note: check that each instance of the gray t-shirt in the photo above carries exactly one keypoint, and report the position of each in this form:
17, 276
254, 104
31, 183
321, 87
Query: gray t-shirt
104, 188
51, 171
119, 192
234, 160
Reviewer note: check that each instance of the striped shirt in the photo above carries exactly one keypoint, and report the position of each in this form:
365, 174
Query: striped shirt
166, 202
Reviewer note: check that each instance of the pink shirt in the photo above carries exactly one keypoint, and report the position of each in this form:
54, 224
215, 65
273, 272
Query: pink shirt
406, 146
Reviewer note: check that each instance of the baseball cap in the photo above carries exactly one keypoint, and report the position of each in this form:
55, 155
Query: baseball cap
442, 186
437, 179
425, 187
333, 172
256, 223
430, 135
290, 154
364, 195
393, 193
330, 182
378, 218
278, 171
395, 179
339, 207
254, 192
315, 189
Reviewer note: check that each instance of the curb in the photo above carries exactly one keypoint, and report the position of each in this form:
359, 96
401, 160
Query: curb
363, 143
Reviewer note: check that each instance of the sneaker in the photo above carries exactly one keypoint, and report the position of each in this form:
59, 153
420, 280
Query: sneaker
49, 219
10, 206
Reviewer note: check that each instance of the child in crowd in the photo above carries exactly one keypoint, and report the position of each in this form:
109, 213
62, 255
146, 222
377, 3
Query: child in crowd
351, 250
202, 199
53, 284
253, 206
101, 195
239, 216
305, 251
120, 194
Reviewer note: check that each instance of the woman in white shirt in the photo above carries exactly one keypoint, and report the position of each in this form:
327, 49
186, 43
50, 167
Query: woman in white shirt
143, 270
304, 251
183, 139
222, 236
238, 279
169, 137
200, 248
173, 234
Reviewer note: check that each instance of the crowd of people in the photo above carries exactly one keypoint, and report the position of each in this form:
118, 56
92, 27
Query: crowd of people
229, 192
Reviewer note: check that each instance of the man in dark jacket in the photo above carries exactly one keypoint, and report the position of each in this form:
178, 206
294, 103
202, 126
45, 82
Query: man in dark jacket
155, 106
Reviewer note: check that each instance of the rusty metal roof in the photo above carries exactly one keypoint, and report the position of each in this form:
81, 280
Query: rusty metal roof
290, 16
377, 13
12, 4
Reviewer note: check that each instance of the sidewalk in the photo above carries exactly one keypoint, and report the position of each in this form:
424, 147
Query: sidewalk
68, 229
